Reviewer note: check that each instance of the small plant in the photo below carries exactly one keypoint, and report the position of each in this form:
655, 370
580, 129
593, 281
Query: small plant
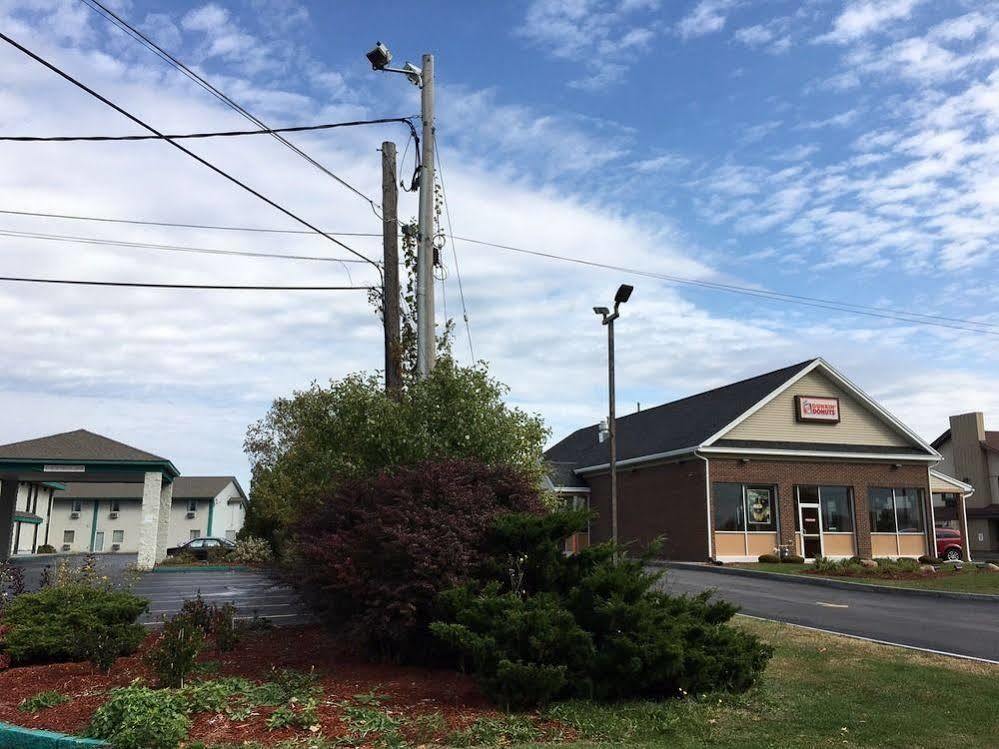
224, 629
137, 717
794, 559
42, 701
252, 551
45, 549
184, 558
768, 559
511, 729
368, 723
295, 714
930, 560
175, 652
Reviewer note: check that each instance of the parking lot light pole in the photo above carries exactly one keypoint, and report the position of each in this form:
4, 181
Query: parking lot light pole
608, 318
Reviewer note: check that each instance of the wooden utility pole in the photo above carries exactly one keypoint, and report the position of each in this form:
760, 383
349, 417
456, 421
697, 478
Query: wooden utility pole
390, 270
426, 345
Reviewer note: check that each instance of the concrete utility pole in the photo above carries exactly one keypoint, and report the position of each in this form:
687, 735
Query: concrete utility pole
390, 269
426, 347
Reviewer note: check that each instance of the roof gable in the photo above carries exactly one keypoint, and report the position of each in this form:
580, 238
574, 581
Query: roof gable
80, 445
677, 425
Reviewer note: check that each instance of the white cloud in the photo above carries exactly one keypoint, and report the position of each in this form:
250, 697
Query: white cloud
861, 18
707, 17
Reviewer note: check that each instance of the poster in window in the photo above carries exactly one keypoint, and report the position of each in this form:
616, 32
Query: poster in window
759, 506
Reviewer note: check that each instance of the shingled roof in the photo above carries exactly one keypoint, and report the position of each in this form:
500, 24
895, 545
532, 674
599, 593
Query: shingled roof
76, 445
672, 426
184, 487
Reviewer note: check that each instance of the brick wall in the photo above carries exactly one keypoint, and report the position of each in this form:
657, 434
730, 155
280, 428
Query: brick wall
861, 476
664, 500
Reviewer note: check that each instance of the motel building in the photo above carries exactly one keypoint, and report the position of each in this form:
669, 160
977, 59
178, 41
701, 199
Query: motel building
798, 458
82, 492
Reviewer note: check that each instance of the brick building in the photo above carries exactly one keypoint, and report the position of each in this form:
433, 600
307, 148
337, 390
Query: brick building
799, 457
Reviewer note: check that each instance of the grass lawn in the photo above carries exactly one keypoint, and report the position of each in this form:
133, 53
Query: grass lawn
968, 580
819, 691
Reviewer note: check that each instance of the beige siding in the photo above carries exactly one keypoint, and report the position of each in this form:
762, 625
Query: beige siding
858, 425
181, 526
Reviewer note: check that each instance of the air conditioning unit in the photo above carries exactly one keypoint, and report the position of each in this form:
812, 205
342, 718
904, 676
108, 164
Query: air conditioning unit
190, 516
113, 515
115, 547
74, 516
65, 547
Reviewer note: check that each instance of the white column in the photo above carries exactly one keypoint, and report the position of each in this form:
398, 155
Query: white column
149, 524
163, 526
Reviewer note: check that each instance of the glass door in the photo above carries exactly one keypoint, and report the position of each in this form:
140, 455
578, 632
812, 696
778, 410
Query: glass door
98, 541
810, 521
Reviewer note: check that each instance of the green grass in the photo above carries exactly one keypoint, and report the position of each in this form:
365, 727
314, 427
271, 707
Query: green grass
819, 691
968, 580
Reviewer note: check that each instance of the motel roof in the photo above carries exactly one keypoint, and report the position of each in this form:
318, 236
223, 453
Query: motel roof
184, 487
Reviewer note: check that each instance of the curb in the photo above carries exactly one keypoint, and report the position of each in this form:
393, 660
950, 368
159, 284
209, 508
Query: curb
17, 737
825, 582
206, 568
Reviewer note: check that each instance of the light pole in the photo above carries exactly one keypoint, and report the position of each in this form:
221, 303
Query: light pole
622, 296
426, 334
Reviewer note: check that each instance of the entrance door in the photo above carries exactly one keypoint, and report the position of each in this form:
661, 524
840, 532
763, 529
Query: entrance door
811, 531
98, 541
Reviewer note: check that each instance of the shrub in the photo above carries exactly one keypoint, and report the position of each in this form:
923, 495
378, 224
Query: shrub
215, 622
175, 652
794, 559
930, 560
42, 701
595, 627
217, 554
768, 559
379, 551
137, 717
62, 623
251, 550
184, 557
45, 549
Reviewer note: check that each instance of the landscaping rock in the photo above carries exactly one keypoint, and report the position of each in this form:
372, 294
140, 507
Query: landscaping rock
869, 564
990, 567
927, 569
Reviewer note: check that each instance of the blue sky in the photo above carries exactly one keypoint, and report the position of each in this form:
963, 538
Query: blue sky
842, 150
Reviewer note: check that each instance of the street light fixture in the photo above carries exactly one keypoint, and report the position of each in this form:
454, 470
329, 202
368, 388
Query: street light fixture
622, 296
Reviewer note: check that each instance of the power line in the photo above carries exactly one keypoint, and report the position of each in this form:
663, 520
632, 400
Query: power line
101, 9
454, 250
218, 134
167, 247
187, 286
215, 227
178, 146
912, 317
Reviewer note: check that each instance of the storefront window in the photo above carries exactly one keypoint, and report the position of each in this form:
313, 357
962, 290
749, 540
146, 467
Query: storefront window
729, 511
896, 510
740, 508
837, 509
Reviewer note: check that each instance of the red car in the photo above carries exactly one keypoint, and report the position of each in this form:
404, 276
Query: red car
950, 545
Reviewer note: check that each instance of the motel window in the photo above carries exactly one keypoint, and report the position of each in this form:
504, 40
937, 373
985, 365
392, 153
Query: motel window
77, 506
115, 505
230, 535
68, 536
117, 537
192, 505
896, 510
739, 507
196, 533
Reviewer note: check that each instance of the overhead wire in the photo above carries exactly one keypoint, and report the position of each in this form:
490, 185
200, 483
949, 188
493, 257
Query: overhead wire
102, 10
186, 286
168, 247
82, 86
213, 134
849, 307
454, 250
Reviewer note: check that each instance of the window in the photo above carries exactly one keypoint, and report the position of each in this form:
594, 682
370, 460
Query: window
68, 536
744, 508
115, 505
117, 537
837, 509
230, 535
943, 500
77, 506
192, 505
195, 534
196, 543
897, 510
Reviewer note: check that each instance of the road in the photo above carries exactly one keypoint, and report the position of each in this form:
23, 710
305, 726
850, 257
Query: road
969, 628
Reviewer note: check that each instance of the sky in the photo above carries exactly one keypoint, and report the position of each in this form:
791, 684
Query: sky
838, 150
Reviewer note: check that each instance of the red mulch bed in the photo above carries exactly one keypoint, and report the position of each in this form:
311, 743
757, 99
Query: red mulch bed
409, 690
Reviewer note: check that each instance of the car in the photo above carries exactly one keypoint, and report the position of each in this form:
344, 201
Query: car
950, 544
201, 547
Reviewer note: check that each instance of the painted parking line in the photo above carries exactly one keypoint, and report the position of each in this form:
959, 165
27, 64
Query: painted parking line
833, 605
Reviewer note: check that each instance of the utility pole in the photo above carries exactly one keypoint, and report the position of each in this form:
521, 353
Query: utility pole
426, 345
390, 270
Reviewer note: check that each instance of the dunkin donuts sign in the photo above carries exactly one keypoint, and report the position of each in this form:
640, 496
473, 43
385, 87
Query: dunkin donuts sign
817, 409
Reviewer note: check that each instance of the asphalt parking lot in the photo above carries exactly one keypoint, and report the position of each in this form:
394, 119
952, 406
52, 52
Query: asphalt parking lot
252, 593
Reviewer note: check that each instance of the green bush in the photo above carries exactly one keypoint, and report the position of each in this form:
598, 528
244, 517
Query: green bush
794, 559
588, 625
42, 701
768, 559
930, 560
63, 623
175, 651
137, 717
45, 549
252, 550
